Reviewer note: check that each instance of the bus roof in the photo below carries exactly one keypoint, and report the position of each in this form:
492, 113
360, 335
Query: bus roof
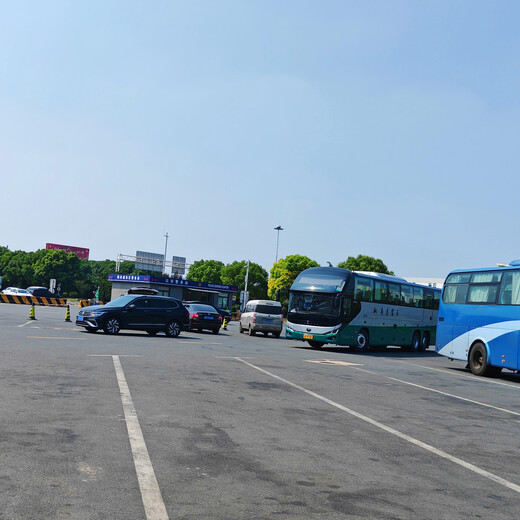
334, 279
386, 277
515, 264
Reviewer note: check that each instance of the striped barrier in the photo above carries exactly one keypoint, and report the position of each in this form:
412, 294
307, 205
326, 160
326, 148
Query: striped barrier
87, 303
29, 300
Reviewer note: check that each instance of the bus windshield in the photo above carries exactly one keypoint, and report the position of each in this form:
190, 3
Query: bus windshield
315, 303
321, 279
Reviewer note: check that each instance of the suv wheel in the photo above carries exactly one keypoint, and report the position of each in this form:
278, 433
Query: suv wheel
173, 329
112, 326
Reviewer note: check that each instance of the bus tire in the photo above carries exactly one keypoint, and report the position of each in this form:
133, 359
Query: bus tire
478, 364
425, 342
415, 346
315, 344
362, 341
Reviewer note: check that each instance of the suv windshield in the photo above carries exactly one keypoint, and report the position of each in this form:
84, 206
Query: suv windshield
121, 301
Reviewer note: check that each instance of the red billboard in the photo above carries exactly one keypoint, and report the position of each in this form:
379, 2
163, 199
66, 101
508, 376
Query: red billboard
80, 252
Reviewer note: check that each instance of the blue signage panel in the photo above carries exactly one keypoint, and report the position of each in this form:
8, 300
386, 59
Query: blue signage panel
132, 278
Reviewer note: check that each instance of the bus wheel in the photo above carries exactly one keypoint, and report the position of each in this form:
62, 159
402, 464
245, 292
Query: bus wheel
315, 344
478, 362
425, 343
416, 342
362, 341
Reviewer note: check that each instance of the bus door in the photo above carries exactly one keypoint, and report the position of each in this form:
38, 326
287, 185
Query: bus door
453, 323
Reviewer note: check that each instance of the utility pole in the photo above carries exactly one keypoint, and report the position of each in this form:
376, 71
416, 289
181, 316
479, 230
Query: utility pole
245, 295
165, 249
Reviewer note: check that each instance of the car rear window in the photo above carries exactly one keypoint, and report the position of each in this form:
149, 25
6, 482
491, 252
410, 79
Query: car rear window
202, 308
268, 309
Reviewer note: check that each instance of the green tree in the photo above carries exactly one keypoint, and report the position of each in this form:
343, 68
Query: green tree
235, 274
58, 264
365, 263
17, 267
206, 271
284, 272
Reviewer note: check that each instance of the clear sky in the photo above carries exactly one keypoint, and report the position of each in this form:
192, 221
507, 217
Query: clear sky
386, 128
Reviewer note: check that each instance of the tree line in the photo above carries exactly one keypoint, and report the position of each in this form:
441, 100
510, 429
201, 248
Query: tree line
79, 278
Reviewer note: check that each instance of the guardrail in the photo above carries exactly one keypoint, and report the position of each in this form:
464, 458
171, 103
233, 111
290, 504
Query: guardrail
29, 300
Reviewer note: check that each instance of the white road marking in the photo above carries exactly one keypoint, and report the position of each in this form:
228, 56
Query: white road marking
332, 362
24, 324
54, 337
439, 392
112, 355
392, 431
151, 494
481, 380
199, 342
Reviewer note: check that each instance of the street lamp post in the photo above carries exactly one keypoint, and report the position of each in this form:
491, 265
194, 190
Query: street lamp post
278, 229
165, 249
245, 294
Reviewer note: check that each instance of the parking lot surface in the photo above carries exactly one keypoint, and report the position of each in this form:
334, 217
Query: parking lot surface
230, 426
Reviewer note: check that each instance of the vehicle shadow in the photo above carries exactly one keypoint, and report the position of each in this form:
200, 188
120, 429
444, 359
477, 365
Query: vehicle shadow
395, 352
160, 335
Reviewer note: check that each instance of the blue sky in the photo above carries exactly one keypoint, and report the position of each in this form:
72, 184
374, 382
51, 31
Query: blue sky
386, 128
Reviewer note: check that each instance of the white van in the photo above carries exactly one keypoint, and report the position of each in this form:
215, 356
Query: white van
262, 316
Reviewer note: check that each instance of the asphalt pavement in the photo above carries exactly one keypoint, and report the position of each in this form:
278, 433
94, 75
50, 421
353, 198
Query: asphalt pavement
230, 426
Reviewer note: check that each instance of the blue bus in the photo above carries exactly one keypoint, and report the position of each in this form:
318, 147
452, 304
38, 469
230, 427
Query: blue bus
479, 318
329, 305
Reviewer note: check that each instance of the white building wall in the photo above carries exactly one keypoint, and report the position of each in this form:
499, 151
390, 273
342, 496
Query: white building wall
430, 282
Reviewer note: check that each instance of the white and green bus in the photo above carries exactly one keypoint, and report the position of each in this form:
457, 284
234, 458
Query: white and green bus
329, 305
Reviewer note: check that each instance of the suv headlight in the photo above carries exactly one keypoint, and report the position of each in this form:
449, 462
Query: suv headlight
97, 314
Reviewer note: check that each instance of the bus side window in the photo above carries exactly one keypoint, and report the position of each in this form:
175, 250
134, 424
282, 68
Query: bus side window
428, 299
381, 292
418, 297
364, 289
510, 289
455, 293
407, 295
394, 293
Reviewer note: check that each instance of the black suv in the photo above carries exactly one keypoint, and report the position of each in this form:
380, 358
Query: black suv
138, 312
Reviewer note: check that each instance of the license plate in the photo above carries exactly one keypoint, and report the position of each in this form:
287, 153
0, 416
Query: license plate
208, 317
308, 336
80, 318
268, 320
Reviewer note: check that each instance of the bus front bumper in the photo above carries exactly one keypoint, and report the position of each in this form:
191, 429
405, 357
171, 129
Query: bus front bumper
328, 337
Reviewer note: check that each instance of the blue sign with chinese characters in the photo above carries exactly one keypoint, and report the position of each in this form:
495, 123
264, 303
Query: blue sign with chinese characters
132, 278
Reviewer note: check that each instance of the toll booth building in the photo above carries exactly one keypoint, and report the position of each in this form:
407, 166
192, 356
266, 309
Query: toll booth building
221, 296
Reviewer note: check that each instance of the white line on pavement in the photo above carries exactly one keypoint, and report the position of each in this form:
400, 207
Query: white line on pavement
392, 431
438, 391
481, 380
151, 494
24, 324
